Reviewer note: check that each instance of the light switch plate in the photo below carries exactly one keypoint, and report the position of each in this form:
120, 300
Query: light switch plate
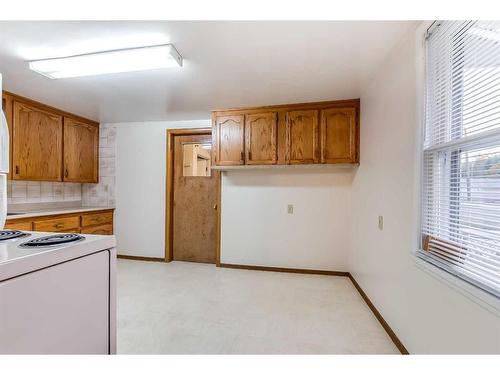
290, 208
381, 222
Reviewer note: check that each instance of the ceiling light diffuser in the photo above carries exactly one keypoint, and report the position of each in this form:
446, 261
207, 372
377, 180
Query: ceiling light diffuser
108, 62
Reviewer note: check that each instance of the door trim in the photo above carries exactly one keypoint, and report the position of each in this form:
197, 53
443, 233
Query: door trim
169, 198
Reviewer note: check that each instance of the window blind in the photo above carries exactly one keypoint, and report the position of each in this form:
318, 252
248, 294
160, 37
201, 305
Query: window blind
461, 151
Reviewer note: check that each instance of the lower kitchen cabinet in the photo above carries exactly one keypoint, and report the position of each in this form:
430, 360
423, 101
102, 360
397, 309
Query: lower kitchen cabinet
90, 222
22, 225
99, 229
57, 225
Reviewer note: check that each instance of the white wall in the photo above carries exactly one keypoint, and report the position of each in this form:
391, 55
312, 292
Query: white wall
257, 230
428, 314
140, 185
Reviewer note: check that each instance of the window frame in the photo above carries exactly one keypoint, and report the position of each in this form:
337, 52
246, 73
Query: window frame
422, 259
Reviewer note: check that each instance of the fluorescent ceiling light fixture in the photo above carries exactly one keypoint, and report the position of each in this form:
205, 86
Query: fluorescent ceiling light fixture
107, 62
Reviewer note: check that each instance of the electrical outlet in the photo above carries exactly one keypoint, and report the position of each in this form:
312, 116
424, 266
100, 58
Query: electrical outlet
381, 222
290, 208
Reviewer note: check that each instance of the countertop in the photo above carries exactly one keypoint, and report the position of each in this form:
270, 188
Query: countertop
55, 211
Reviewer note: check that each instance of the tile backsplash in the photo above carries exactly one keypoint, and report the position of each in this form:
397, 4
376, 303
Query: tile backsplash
36, 192
103, 193
100, 194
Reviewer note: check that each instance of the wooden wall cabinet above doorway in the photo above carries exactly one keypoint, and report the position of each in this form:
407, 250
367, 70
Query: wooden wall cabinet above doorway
307, 133
47, 144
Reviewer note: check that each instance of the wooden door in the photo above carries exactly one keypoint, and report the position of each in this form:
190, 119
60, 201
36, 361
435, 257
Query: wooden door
338, 135
302, 131
261, 132
81, 149
193, 216
229, 140
37, 144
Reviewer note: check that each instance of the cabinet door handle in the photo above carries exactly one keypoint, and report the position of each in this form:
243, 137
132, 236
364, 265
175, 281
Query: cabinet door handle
17, 169
66, 173
59, 226
242, 156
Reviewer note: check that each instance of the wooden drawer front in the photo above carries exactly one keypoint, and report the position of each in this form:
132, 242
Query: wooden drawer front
97, 219
106, 229
25, 225
57, 225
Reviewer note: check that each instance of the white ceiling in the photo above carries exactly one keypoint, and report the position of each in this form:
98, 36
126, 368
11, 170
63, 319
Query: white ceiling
226, 64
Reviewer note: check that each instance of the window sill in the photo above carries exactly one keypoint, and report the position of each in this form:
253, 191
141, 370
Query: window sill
475, 294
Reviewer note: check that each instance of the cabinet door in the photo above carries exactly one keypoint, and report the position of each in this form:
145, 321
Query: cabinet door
81, 148
22, 225
104, 229
302, 144
229, 136
261, 132
338, 135
37, 144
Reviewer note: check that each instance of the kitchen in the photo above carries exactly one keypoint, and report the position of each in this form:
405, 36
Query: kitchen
230, 199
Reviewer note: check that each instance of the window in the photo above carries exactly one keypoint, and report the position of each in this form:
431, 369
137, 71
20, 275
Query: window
461, 151
196, 159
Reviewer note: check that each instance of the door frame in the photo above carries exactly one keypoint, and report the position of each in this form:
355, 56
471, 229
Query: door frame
169, 198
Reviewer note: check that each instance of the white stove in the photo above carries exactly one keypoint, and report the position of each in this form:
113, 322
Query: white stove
57, 293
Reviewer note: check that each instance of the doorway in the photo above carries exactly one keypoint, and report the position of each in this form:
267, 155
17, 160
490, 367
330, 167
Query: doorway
191, 227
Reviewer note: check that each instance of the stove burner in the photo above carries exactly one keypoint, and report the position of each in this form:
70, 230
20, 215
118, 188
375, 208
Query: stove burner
11, 234
53, 240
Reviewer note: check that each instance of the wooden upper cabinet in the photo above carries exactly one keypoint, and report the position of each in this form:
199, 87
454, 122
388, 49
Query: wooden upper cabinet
261, 131
37, 144
81, 147
304, 133
338, 135
229, 145
302, 137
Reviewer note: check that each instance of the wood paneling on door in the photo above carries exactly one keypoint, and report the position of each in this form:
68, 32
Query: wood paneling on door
229, 140
193, 218
302, 133
37, 144
338, 135
261, 132
81, 148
